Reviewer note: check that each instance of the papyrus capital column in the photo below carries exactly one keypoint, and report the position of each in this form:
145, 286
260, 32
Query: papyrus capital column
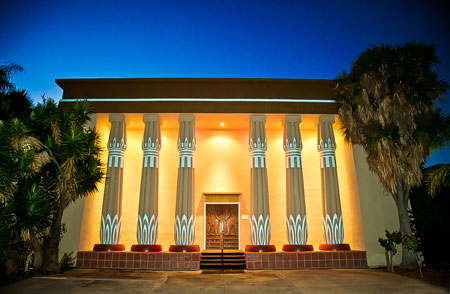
333, 228
297, 232
112, 199
259, 218
184, 214
147, 230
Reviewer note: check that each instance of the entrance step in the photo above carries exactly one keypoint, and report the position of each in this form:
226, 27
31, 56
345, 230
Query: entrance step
214, 259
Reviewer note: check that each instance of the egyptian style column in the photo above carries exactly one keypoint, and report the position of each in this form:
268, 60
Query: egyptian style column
147, 229
184, 213
259, 207
297, 231
112, 199
333, 229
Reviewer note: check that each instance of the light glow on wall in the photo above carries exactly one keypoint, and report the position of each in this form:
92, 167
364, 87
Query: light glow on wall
222, 164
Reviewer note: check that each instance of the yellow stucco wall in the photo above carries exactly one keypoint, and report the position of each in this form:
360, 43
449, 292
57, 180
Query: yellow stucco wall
222, 165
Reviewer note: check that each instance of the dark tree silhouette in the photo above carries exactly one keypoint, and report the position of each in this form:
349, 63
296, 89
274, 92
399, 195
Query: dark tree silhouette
13, 102
387, 105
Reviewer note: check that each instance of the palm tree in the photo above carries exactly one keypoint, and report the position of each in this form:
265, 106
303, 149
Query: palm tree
47, 161
24, 209
386, 104
13, 102
438, 179
75, 169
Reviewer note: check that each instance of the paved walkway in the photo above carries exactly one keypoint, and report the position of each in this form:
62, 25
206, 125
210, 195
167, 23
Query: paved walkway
258, 282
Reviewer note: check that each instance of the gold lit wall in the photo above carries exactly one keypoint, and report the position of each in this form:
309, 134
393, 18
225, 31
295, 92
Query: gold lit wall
222, 165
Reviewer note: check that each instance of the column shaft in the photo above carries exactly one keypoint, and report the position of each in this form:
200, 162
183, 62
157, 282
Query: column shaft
331, 205
295, 198
147, 230
184, 214
112, 199
259, 219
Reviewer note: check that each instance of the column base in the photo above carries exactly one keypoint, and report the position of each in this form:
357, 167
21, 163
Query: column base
297, 248
109, 247
146, 248
260, 248
334, 247
184, 248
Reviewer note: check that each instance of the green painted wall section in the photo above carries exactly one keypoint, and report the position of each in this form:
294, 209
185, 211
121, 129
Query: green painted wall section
378, 210
72, 219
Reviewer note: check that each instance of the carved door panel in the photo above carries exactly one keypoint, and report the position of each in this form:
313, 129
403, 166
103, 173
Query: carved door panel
222, 217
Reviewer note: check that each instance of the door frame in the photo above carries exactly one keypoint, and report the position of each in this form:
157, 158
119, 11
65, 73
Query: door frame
239, 221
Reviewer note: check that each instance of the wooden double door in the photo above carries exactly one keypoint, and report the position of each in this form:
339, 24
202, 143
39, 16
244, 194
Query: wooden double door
222, 217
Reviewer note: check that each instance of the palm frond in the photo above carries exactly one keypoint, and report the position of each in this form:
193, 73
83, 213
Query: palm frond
437, 180
386, 103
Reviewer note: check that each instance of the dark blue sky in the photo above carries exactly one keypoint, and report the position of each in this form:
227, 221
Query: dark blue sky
260, 39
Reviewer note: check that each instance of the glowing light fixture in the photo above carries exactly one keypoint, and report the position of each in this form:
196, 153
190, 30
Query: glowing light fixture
276, 100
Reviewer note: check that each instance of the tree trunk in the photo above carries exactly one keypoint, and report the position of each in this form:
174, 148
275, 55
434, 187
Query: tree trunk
51, 252
14, 262
13, 265
38, 255
401, 199
51, 245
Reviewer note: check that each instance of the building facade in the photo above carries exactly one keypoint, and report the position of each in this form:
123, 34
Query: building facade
261, 161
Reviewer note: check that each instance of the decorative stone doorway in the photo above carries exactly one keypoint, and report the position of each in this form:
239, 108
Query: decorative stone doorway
222, 216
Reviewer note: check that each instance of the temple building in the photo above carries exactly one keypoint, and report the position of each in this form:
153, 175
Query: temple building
257, 167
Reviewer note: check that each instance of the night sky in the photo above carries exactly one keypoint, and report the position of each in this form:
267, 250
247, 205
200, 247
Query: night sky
231, 39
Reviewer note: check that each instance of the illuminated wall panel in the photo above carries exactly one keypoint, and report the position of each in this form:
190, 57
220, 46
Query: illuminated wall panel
222, 164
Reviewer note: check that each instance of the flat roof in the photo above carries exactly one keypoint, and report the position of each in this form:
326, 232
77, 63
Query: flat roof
201, 95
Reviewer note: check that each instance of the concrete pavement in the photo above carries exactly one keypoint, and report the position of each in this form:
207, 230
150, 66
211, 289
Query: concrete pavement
270, 281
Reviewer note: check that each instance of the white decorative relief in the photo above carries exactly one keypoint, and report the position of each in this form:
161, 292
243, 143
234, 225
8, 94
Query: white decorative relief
186, 158
116, 153
186, 153
297, 230
184, 230
151, 152
328, 144
115, 158
110, 229
293, 145
147, 230
293, 159
327, 159
260, 230
114, 144
293, 149
327, 154
258, 153
151, 160
333, 229
153, 145
186, 144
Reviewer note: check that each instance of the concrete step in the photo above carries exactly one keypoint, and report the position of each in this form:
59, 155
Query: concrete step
215, 259
224, 261
225, 266
224, 256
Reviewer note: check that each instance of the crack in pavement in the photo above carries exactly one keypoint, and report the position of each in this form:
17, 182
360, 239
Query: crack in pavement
282, 277
159, 283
